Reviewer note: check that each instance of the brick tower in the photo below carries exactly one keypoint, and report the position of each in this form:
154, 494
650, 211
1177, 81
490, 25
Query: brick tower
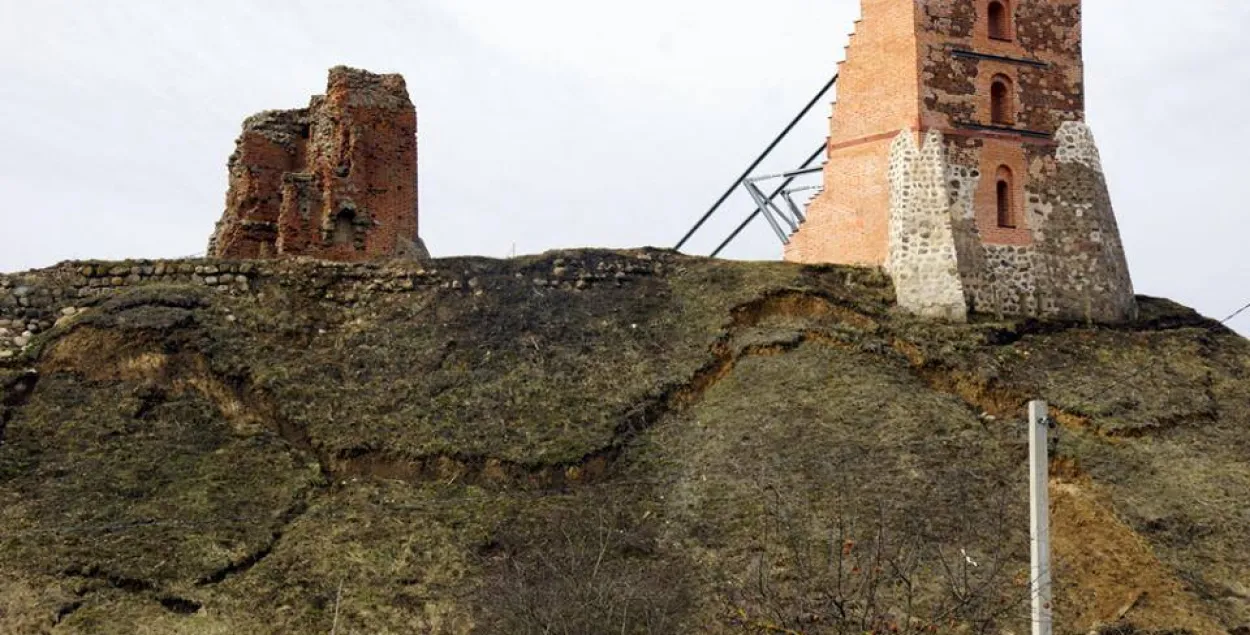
959, 160
336, 180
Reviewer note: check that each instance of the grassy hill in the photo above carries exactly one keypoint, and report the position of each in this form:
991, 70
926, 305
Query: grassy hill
606, 442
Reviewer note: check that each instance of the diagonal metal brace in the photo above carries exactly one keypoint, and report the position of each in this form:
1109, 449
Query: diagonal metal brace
725, 243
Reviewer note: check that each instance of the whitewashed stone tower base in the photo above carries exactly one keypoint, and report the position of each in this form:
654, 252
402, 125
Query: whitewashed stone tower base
1072, 268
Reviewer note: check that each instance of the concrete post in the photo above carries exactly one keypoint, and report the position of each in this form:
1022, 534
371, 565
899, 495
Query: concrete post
1039, 529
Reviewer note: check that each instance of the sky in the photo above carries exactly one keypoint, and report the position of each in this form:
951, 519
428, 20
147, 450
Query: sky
549, 124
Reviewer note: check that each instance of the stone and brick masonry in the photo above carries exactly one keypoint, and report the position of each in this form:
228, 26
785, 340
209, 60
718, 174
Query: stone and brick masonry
33, 303
959, 161
335, 181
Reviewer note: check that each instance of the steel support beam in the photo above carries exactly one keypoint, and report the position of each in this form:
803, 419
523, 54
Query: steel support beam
763, 205
815, 155
767, 151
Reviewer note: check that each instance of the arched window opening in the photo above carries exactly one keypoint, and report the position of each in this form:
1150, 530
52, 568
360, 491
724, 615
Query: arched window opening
1000, 21
344, 228
1002, 108
1004, 199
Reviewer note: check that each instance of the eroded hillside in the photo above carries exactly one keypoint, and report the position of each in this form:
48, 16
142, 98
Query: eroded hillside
598, 442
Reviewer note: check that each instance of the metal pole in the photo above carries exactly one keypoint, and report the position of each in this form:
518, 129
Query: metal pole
757, 162
794, 207
1039, 525
762, 204
802, 171
823, 147
783, 175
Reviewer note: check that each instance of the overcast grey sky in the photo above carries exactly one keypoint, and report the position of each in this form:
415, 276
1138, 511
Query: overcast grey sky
565, 123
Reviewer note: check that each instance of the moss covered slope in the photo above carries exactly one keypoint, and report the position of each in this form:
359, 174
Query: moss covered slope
588, 442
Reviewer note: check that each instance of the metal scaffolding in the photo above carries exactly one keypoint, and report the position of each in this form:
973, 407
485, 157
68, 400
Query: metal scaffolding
784, 221
766, 205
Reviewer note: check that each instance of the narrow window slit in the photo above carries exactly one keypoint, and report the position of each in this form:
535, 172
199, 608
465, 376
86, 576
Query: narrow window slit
1002, 107
1004, 199
1000, 21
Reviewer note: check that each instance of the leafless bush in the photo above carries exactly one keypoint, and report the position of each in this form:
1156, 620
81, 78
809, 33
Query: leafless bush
580, 575
877, 572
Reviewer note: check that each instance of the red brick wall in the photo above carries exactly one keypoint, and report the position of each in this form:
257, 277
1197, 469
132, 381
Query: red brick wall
901, 72
997, 153
877, 94
351, 154
253, 202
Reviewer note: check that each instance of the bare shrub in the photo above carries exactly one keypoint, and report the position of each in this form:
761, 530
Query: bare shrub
595, 572
883, 571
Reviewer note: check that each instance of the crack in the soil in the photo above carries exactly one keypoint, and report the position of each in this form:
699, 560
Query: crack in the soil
822, 318
251, 560
1164, 424
242, 566
671, 399
240, 400
490, 471
133, 586
181, 606
64, 611
986, 397
675, 398
1001, 401
817, 311
113, 580
174, 603
808, 305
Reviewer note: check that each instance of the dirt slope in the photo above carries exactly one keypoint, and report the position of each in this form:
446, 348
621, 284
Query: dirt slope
610, 442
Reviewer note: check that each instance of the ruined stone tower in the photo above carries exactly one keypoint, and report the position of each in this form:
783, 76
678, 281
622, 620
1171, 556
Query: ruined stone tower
960, 161
336, 180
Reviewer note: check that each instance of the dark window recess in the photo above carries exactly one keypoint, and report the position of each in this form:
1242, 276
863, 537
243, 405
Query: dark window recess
1000, 21
344, 229
1003, 198
1002, 110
